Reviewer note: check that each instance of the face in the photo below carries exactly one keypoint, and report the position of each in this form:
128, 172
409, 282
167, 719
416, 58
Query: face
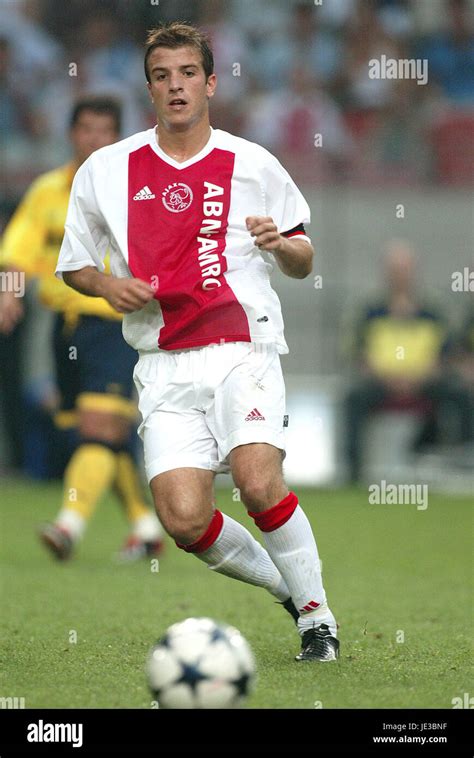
400, 263
92, 131
178, 87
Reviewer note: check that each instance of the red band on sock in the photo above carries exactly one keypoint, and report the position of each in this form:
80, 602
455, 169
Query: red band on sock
208, 538
274, 517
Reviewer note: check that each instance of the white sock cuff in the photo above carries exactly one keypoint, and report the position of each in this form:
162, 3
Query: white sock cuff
72, 522
147, 528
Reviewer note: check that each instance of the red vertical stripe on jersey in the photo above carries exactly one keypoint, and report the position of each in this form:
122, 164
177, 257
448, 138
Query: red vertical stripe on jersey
198, 305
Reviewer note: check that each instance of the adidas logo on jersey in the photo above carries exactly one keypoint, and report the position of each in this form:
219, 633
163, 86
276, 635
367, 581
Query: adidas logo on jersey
255, 415
144, 194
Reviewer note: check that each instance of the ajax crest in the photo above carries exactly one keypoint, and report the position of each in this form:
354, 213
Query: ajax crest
177, 197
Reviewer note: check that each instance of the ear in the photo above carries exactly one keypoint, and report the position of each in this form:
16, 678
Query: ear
148, 86
211, 85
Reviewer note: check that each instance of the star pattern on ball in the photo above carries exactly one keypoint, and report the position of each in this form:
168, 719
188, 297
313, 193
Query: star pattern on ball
191, 675
242, 684
218, 635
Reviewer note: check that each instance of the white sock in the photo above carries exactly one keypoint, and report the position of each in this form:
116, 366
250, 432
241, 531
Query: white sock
147, 528
72, 522
322, 615
237, 554
293, 550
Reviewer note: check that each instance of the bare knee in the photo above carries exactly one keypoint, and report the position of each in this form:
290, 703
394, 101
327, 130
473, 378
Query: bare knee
258, 475
254, 491
183, 526
183, 504
259, 494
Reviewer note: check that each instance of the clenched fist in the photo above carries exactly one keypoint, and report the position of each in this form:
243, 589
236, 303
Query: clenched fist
267, 236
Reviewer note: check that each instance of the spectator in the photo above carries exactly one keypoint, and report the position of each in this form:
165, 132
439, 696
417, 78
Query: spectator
399, 351
103, 62
255, 21
231, 57
35, 53
286, 122
367, 40
304, 42
15, 113
337, 13
450, 55
110, 53
395, 17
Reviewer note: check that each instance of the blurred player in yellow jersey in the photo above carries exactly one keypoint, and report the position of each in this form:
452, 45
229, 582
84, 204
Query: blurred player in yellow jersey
94, 364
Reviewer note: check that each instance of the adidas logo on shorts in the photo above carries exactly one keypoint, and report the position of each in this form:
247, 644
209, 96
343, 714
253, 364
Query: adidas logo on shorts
255, 415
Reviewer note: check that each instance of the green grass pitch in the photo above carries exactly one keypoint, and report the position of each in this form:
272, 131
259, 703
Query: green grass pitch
398, 579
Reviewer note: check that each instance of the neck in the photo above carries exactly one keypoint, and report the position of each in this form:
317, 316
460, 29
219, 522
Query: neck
402, 303
183, 145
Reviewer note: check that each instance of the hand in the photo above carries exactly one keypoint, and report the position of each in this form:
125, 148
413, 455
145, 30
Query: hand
267, 236
11, 311
128, 295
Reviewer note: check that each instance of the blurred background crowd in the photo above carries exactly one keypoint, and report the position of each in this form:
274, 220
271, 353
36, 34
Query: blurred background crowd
289, 71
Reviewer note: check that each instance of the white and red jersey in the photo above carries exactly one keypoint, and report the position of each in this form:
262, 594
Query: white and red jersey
181, 228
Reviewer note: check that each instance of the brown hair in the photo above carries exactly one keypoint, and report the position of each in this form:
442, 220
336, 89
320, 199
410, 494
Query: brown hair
176, 34
102, 105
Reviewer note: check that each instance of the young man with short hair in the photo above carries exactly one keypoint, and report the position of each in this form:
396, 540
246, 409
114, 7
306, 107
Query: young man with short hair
187, 212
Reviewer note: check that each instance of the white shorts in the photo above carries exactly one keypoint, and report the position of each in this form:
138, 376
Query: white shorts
198, 404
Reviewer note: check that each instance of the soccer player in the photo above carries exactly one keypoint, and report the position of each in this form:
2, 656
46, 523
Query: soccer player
188, 212
94, 364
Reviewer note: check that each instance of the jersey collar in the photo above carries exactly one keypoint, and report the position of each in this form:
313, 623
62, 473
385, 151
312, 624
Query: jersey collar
208, 147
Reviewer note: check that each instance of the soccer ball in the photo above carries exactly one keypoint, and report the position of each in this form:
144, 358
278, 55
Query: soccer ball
200, 663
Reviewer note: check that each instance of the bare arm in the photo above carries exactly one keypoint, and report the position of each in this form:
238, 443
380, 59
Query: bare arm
125, 295
294, 256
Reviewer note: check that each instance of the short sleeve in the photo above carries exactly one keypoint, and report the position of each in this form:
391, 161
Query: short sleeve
283, 200
85, 234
